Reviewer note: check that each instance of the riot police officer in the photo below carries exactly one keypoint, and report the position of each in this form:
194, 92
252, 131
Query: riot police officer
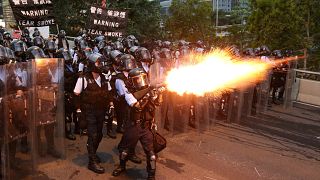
50, 48
7, 39
26, 37
127, 63
140, 123
62, 41
38, 41
70, 79
95, 98
144, 58
19, 47
3, 56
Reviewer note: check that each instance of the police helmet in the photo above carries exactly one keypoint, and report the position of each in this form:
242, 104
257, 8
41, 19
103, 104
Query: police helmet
166, 57
26, 31
50, 46
6, 35
62, 34
158, 43
95, 62
115, 56
166, 44
127, 62
182, 43
133, 50
156, 55
101, 45
249, 52
131, 37
19, 47
200, 44
139, 79
118, 45
184, 51
277, 54
35, 52
36, 32
38, 41
265, 50
135, 40
65, 54
128, 43
106, 51
143, 55
99, 39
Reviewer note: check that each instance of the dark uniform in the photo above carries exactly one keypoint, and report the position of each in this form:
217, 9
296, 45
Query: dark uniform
138, 127
70, 79
95, 100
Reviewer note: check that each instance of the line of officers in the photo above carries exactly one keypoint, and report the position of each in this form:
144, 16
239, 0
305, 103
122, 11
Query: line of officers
102, 77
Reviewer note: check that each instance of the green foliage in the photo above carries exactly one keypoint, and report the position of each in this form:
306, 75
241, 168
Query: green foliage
144, 18
238, 31
276, 23
190, 20
69, 15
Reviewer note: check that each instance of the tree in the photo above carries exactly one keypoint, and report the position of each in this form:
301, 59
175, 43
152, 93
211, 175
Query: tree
239, 34
276, 23
190, 20
144, 18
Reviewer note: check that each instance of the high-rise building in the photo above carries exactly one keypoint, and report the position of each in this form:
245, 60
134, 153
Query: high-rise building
224, 5
165, 5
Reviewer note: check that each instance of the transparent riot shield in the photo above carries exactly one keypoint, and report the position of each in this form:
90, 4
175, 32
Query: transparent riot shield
290, 80
49, 110
157, 77
263, 94
201, 113
18, 121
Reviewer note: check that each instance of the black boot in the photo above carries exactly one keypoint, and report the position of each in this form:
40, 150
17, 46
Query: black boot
93, 164
122, 166
133, 157
69, 134
151, 165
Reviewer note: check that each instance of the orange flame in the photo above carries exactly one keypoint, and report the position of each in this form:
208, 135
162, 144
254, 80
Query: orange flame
215, 72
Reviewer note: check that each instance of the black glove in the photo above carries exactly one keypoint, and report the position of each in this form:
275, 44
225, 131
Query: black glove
137, 107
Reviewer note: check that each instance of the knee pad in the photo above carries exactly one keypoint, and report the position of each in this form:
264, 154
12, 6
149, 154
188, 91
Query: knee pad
124, 154
151, 156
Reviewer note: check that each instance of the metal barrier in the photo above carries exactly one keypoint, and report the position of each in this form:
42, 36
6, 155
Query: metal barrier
305, 87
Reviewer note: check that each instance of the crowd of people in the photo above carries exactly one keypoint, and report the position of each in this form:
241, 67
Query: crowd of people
106, 80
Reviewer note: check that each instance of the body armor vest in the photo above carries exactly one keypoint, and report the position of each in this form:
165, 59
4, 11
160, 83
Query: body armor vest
94, 94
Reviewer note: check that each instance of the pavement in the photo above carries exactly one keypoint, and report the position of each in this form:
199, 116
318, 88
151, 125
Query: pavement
268, 147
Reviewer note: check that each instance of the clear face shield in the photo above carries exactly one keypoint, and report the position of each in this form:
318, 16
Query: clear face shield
129, 64
38, 53
145, 55
140, 82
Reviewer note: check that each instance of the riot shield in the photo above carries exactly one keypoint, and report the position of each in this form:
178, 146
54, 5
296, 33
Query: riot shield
263, 94
17, 121
157, 78
49, 110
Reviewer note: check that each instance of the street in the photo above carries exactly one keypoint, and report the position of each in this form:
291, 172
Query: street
227, 151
